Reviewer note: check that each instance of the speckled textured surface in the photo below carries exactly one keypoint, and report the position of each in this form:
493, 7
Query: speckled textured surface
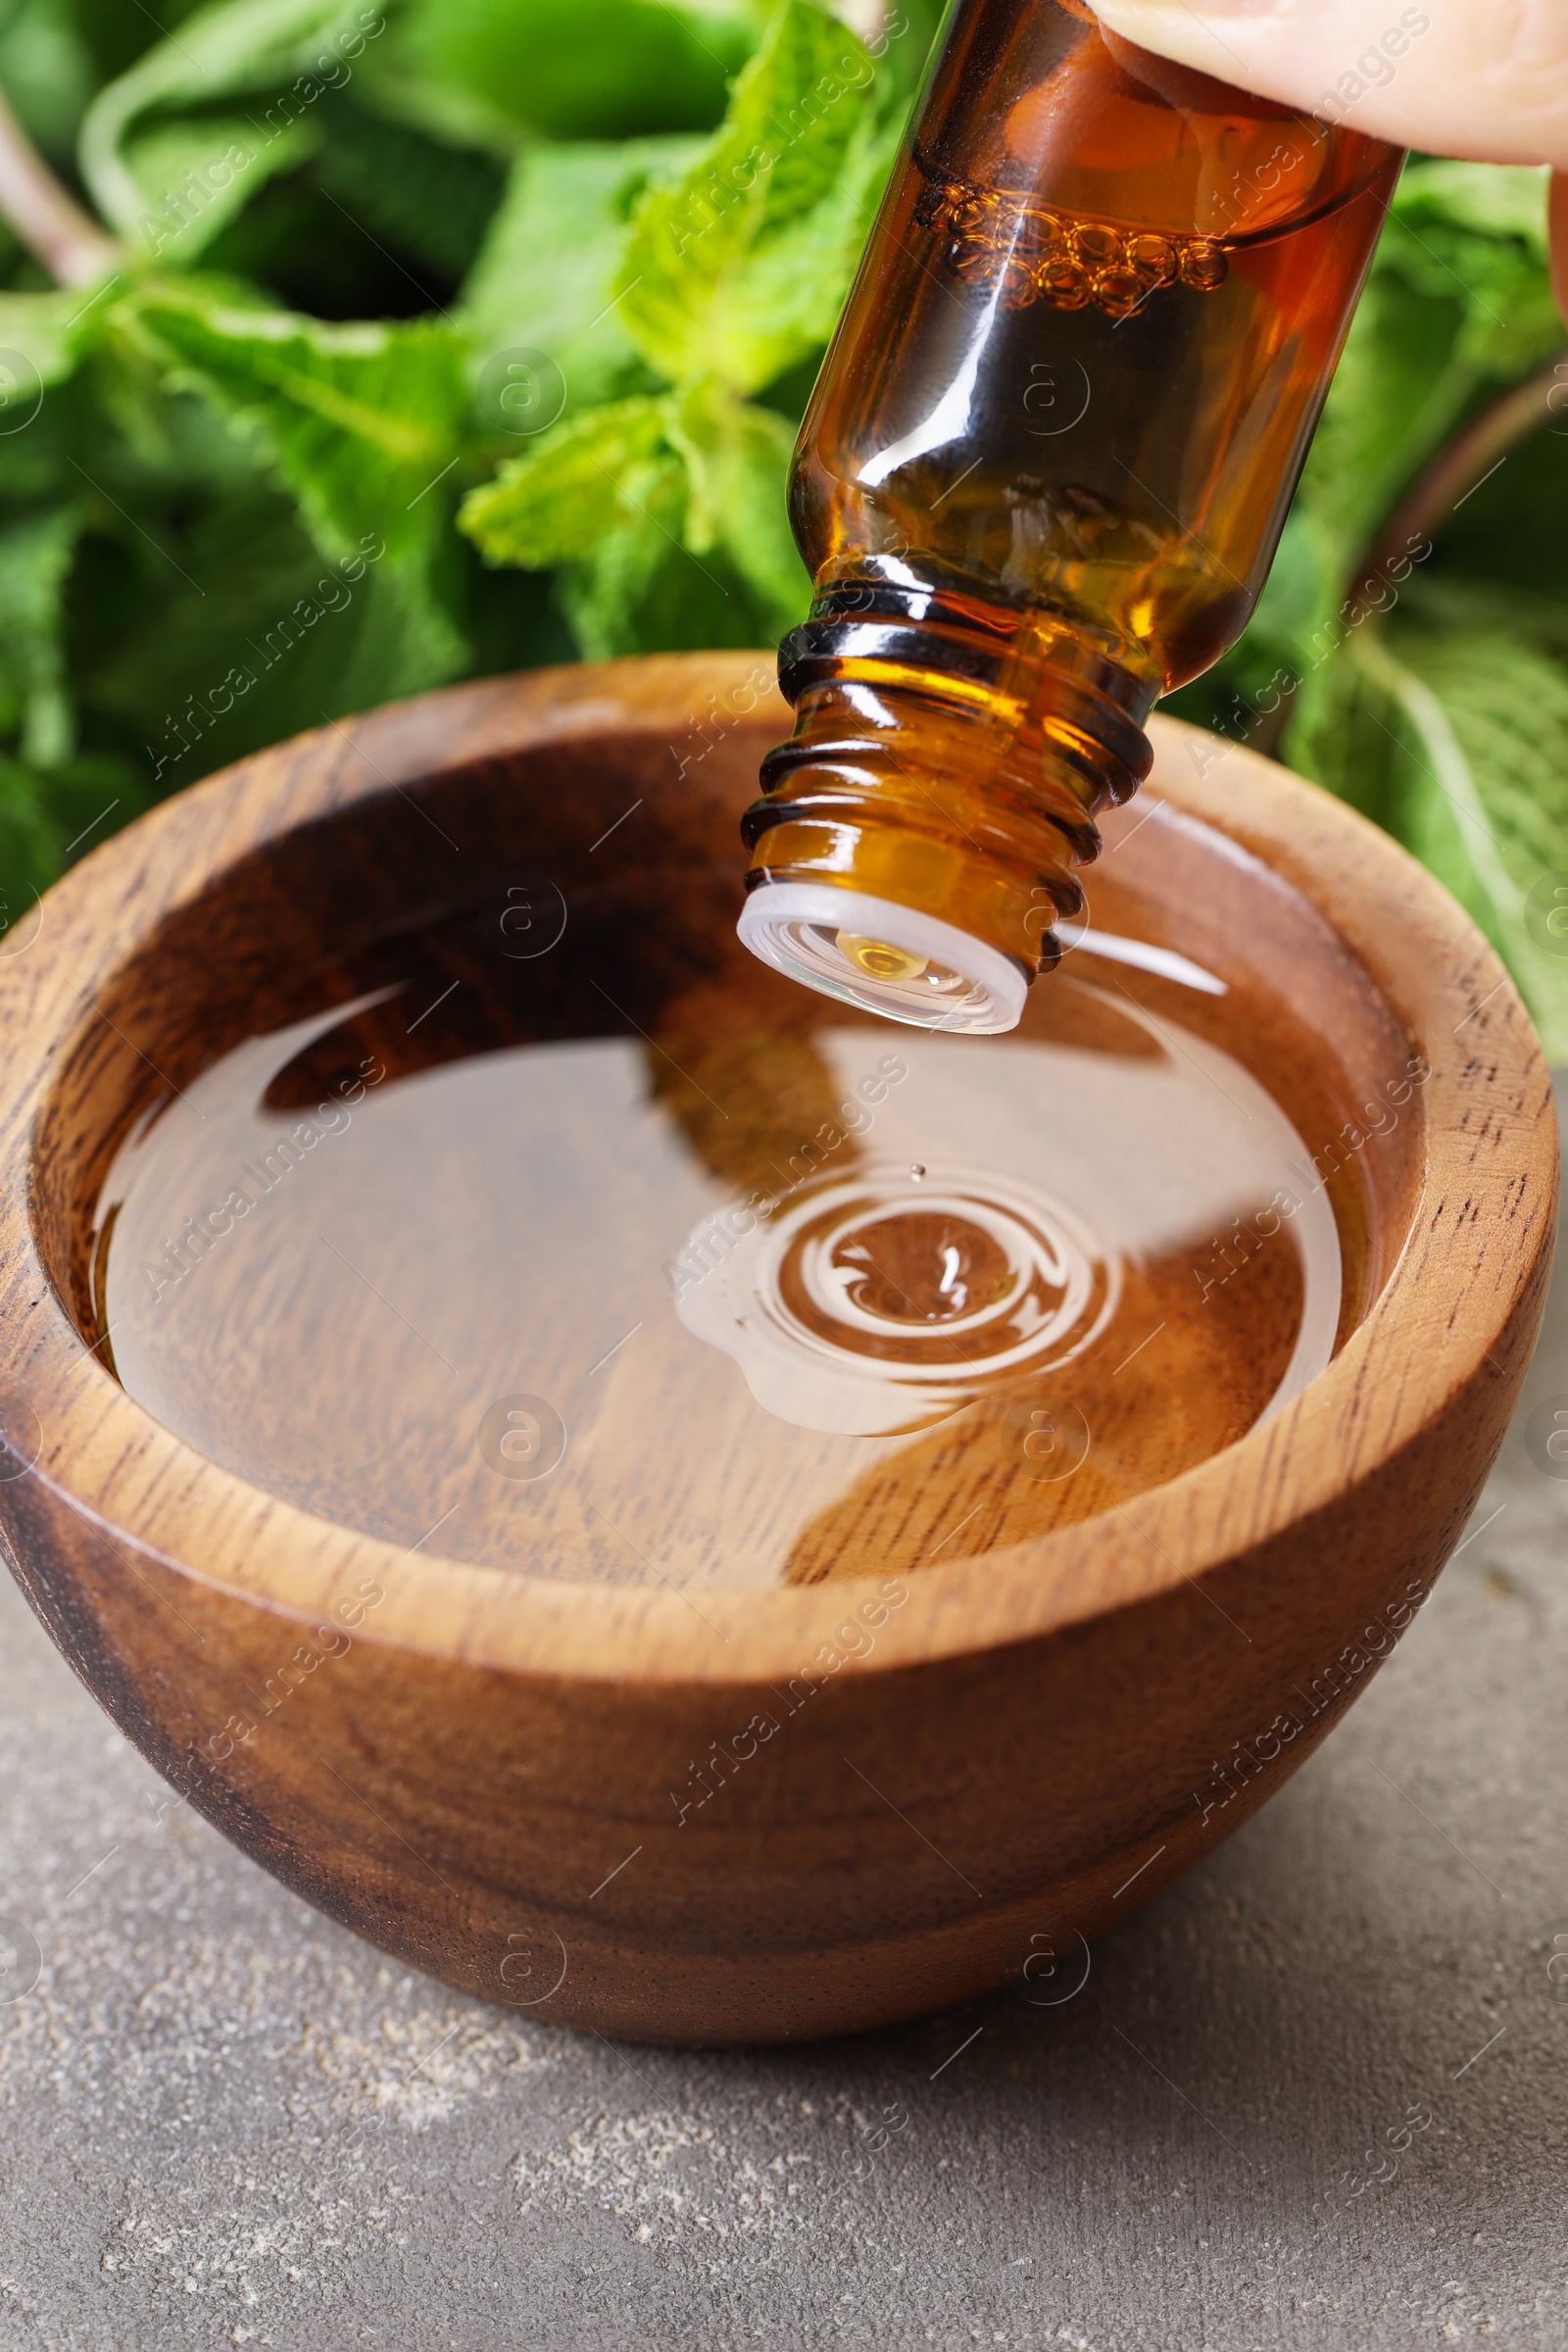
223, 2121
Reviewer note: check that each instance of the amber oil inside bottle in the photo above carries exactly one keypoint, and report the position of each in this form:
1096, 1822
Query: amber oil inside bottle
1040, 483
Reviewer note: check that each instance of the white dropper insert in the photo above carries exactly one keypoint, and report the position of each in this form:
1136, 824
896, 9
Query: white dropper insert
887, 959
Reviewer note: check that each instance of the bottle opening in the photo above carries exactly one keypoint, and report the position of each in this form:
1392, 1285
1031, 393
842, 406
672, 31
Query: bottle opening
887, 959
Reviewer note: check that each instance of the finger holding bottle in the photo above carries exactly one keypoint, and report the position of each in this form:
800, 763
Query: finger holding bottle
1453, 77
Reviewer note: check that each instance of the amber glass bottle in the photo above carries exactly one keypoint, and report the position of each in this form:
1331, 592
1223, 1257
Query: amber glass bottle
1040, 483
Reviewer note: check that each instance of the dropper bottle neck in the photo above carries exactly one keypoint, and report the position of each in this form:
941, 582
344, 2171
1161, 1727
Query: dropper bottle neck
918, 838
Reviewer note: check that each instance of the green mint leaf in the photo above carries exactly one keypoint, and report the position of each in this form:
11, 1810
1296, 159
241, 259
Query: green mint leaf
360, 421
46, 71
1399, 391
1348, 735
738, 271
31, 849
257, 636
667, 515
298, 49
1459, 304
1483, 722
1508, 531
636, 66
1499, 607
196, 176
1472, 238
45, 815
48, 333
36, 555
362, 424
594, 475
1495, 200
627, 595
545, 279
425, 198
642, 592
738, 459
44, 389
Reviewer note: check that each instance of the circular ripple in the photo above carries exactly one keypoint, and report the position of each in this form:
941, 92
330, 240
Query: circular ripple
888, 1300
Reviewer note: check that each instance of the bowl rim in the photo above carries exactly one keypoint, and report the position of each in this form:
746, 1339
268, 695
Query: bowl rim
105, 1459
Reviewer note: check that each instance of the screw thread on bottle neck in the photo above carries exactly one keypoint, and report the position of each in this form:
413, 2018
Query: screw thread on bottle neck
948, 762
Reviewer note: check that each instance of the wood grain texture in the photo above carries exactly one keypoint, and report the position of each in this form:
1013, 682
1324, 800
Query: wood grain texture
454, 1758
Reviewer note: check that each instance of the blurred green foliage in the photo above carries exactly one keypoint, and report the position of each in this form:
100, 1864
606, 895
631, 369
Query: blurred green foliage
430, 351
1435, 698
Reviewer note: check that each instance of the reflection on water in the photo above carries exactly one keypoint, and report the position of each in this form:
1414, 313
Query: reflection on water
791, 1295
889, 1300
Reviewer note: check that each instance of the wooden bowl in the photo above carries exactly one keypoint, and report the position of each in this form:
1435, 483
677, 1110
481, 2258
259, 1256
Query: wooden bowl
974, 1767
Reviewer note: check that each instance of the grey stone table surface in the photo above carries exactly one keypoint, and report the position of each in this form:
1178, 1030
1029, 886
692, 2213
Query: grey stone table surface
1315, 2096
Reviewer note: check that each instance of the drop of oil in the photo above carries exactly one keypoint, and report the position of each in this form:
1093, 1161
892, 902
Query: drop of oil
851, 1309
879, 958
920, 1266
